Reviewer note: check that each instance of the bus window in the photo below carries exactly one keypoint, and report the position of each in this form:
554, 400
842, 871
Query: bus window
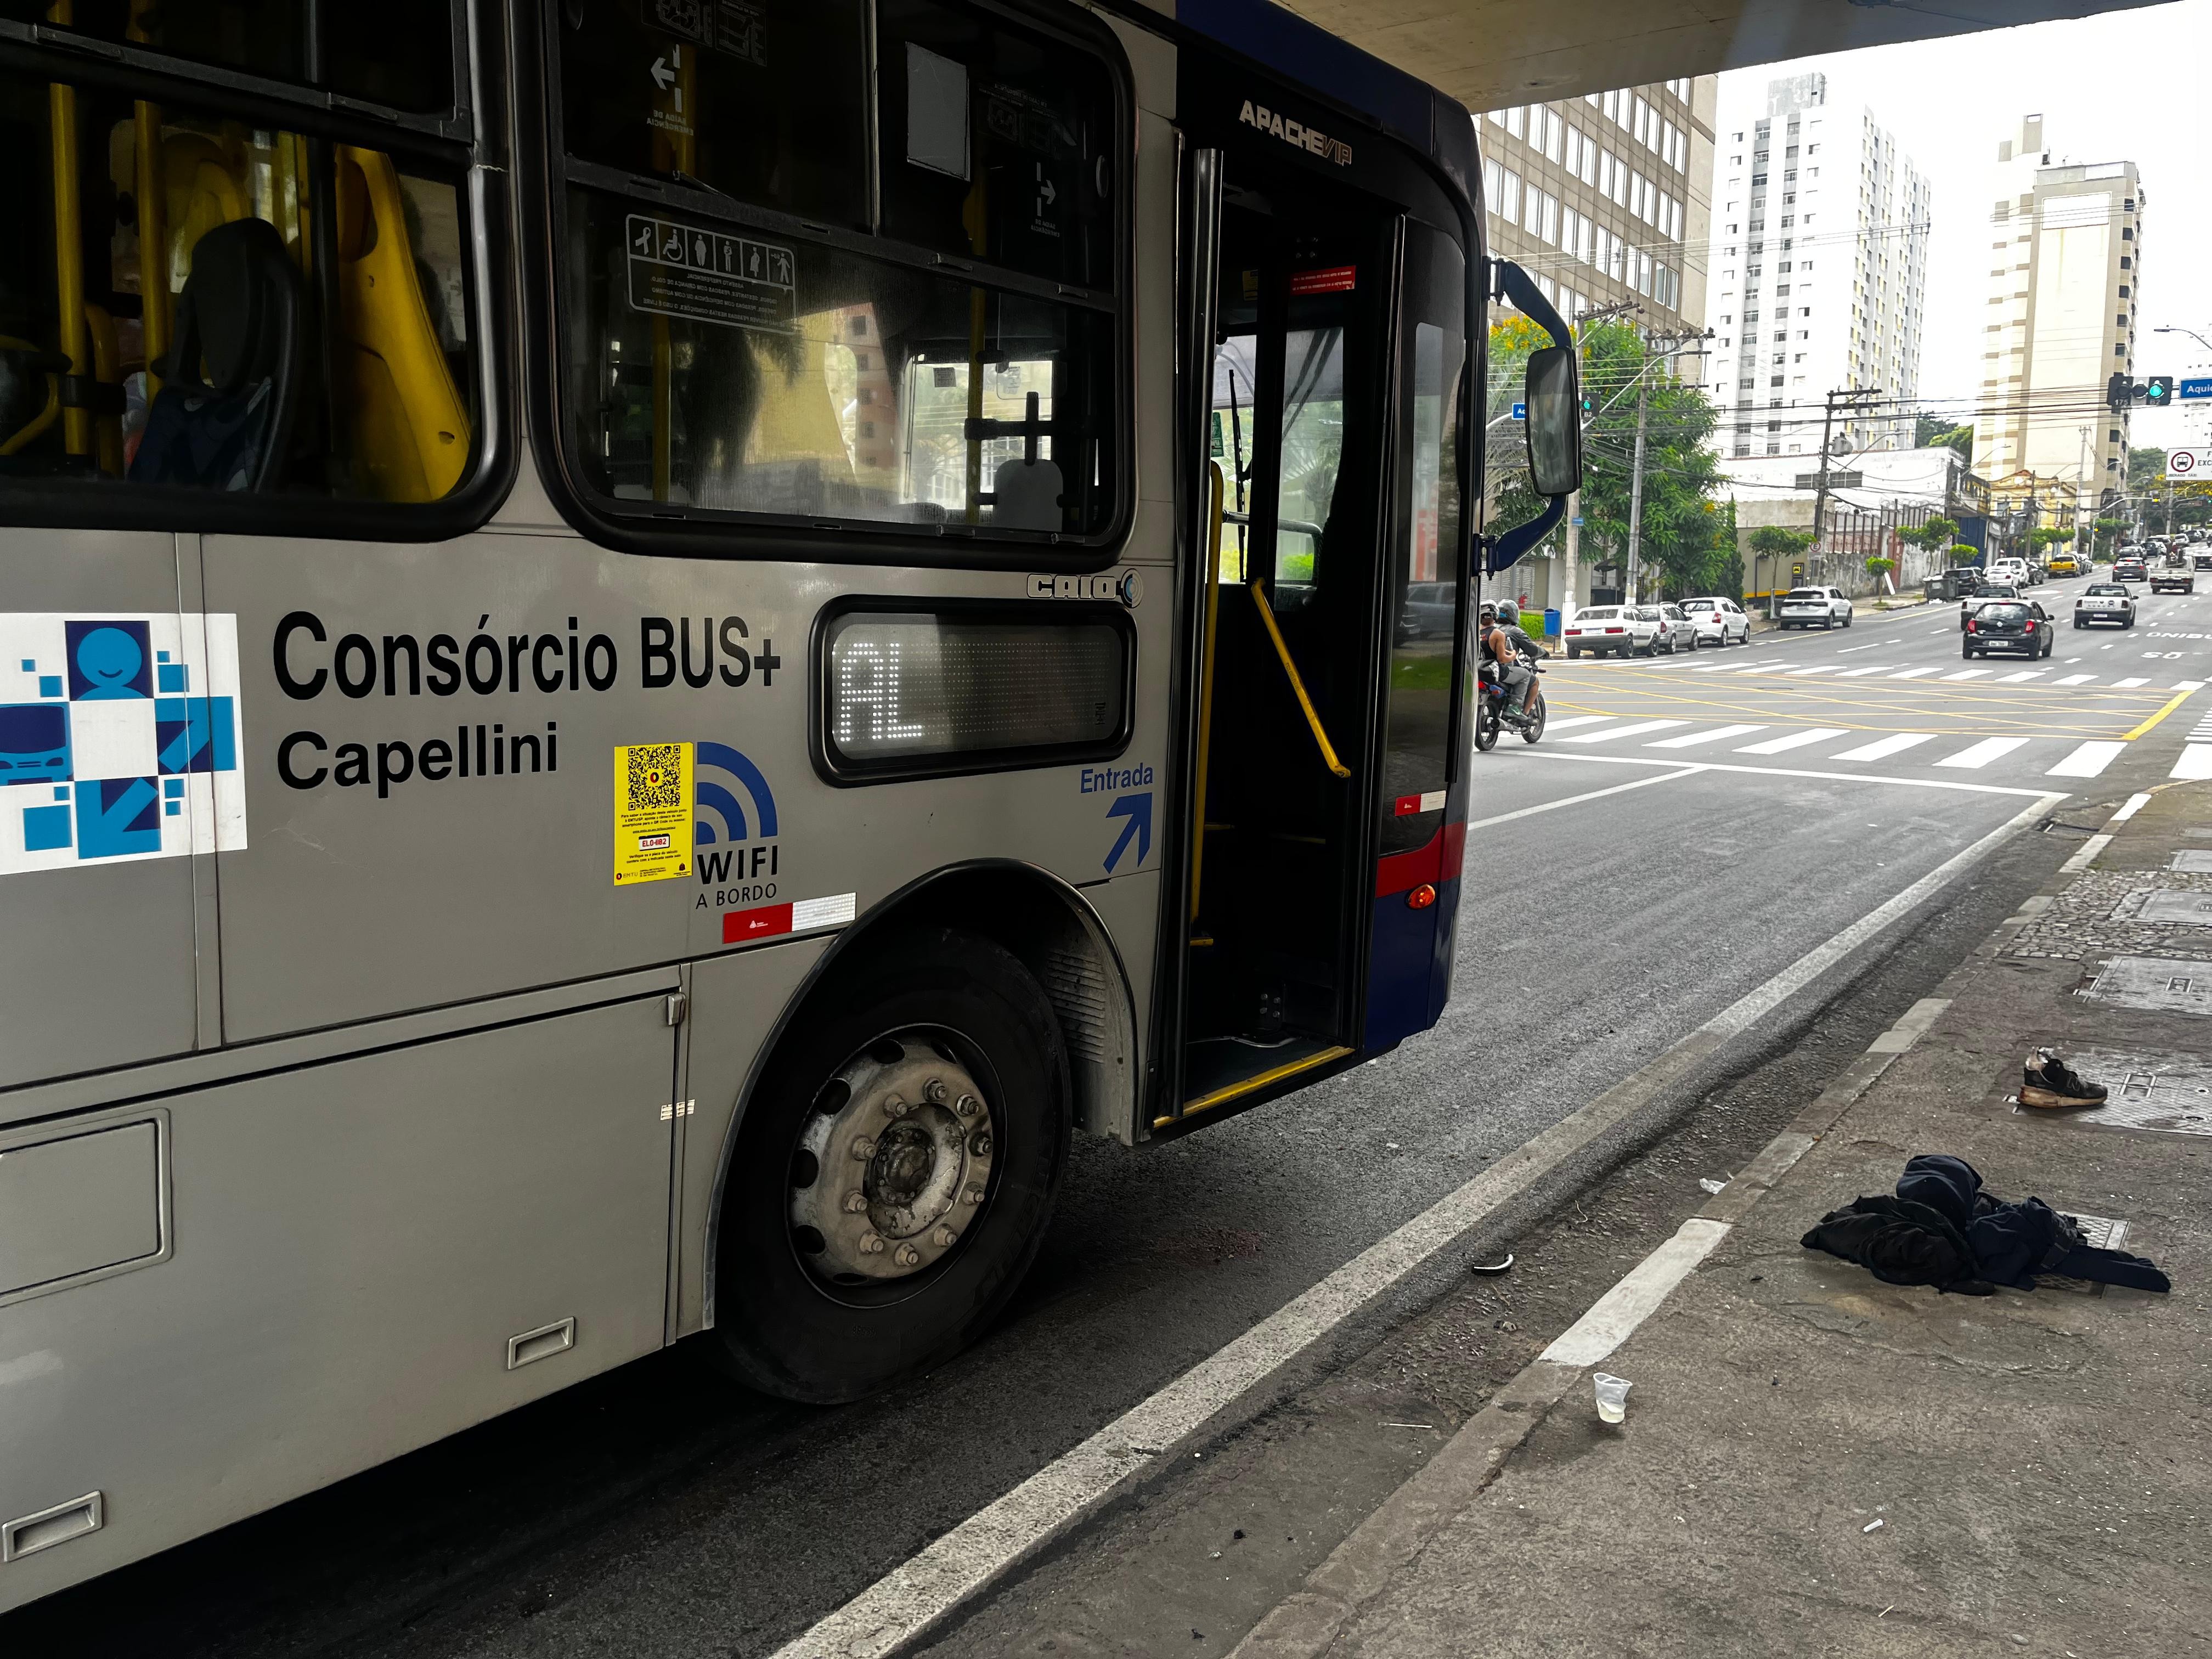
161, 311
395, 52
996, 144
1313, 451
717, 360
828, 384
766, 102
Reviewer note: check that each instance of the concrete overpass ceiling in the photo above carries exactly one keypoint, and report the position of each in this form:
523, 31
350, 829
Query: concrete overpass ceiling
1492, 53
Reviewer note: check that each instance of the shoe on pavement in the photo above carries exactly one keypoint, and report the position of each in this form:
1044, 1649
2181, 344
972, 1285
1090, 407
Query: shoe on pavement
2049, 1081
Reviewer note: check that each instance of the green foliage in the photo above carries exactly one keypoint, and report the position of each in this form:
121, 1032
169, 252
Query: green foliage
1877, 564
1964, 553
1773, 541
1934, 534
2051, 536
2146, 470
2107, 533
1937, 429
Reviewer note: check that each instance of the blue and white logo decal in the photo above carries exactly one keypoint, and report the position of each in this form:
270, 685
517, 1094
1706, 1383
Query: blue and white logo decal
119, 739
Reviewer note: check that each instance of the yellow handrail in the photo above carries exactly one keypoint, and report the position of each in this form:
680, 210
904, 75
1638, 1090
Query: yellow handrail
1290, 669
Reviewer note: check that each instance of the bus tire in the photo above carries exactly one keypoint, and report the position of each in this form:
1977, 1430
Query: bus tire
941, 1051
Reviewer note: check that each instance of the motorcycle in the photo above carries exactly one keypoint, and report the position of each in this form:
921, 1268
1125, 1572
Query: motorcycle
1490, 708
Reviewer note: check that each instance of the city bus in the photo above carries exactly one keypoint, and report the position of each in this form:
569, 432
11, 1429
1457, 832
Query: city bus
650, 646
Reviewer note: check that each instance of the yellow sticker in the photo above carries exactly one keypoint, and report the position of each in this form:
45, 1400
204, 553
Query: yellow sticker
653, 811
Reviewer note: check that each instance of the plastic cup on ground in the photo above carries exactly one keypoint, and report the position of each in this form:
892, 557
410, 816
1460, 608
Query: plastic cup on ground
1611, 1397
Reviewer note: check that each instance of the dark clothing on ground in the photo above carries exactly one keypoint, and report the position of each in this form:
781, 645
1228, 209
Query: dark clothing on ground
1942, 1228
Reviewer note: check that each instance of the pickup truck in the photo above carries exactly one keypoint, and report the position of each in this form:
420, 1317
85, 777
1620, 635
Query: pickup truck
1981, 596
2173, 575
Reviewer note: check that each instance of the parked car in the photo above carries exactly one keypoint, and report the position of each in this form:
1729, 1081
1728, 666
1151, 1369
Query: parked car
2173, 575
2016, 571
2019, 626
2130, 570
2105, 602
1676, 631
2064, 564
1954, 584
1719, 621
1814, 607
1981, 596
1430, 611
1619, 628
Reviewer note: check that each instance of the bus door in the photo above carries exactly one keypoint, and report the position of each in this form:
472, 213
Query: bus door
1299, 453
1421, 830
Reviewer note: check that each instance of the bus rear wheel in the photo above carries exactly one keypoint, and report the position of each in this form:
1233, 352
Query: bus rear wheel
895, 1172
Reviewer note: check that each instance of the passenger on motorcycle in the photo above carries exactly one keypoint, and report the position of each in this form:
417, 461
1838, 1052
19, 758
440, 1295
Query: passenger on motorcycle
1508, 621
1498, 650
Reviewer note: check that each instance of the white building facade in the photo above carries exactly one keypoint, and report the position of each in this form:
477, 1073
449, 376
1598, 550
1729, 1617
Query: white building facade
1820, 271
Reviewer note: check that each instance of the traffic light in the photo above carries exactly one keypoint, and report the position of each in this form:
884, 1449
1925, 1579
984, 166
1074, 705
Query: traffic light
2119, 393
2158, 392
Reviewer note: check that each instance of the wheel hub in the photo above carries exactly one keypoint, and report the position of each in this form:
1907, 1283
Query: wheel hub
893, 1164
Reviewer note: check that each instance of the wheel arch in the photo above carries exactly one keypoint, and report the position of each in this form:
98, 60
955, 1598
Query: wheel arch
1044, 923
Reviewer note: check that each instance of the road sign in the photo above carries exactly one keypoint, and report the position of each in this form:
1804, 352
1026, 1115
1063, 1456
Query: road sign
2184, 463
2196, 386
1519, 411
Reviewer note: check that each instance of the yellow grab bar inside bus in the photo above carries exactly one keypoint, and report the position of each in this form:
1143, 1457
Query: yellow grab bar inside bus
1291, 670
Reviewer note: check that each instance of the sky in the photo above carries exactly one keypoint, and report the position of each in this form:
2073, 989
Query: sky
2127, 85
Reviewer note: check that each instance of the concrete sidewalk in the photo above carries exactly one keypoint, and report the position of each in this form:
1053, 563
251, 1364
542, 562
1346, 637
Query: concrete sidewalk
1815, 1462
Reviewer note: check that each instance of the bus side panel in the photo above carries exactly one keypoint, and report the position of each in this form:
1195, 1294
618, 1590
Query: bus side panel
96, 963
353, 1246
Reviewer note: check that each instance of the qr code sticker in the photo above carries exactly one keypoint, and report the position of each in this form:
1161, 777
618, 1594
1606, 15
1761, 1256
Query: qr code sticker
656, 776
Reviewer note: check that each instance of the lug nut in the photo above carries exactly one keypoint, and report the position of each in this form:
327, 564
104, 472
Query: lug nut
863, 1148
967, 1106
944, 1237
980, 1142
935, 1090
973, 1195
871, 1244
894, 1106
908, 1257
855, 1203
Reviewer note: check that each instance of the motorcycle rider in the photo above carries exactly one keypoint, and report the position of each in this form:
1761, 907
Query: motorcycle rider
1508, 621
1498, 650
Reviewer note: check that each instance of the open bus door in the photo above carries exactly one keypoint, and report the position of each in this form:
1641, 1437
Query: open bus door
1327, 372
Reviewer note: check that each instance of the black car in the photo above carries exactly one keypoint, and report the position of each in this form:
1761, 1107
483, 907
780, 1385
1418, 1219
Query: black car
2020, 626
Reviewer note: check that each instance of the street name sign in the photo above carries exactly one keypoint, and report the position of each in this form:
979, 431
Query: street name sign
2195, 385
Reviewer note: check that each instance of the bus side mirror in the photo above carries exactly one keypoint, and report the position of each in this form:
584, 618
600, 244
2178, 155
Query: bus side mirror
1553, 397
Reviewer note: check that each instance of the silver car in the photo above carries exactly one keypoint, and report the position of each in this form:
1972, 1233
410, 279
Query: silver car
1676, 631
2105, 602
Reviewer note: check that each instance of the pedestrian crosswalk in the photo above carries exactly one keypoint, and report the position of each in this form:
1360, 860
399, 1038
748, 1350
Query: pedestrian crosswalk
1891, 671
2078, 759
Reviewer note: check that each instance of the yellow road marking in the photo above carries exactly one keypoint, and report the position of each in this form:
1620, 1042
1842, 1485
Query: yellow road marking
2173, 703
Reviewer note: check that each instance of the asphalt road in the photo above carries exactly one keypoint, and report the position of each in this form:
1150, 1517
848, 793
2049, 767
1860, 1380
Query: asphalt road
657, 1511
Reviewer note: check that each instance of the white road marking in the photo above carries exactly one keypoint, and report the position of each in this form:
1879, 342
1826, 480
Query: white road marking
2128, 685
2074, 679
917, 1596
2189, 686
1793, 740
1883, 748
1576, 800
2089, 761
1971, 674
1861, 673
1801, 674
2195, 761
1713, 736
1915, 673
2129, 808
1635, 731
2085, 856
1613, 1317
1875, 645
1577, 719
2024, 674
1981, 753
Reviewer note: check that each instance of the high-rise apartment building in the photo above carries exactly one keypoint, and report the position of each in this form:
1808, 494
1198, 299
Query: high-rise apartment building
1608, 199
2065, 267
1820, 260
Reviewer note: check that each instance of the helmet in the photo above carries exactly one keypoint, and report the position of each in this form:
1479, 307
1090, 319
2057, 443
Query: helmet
1508, 613
1488, 612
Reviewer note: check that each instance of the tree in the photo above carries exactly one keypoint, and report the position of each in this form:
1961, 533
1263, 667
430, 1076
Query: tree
1878, 566
2106, 530
1928, 430
2051, 536
1932, 536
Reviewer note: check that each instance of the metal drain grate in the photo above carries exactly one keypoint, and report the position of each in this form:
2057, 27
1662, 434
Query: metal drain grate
2170, 1094
2180, 986
2177, 907
2100, 1232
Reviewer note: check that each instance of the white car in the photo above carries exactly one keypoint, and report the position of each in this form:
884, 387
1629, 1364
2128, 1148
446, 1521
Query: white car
1813, 607
1619, 628
1676, 631
2014, 571
1718, 621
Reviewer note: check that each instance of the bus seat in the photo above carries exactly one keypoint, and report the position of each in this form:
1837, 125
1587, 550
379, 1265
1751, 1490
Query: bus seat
242, 320
407, 428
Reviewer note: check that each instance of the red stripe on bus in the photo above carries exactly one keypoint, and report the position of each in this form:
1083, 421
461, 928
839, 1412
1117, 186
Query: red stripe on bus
770, 919
1439, 859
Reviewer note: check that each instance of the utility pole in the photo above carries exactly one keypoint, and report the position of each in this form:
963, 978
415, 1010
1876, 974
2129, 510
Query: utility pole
1636, 494
1852, 401
2082, 483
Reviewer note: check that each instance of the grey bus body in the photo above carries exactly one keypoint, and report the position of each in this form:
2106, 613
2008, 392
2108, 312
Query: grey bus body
410, 899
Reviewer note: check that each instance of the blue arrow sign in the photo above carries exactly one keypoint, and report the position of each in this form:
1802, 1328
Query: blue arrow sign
1519, 411
2198, 386
1137, 810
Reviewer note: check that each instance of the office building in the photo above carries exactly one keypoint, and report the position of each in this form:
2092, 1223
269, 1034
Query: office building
1608, 199
1821, 263
2065, 267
